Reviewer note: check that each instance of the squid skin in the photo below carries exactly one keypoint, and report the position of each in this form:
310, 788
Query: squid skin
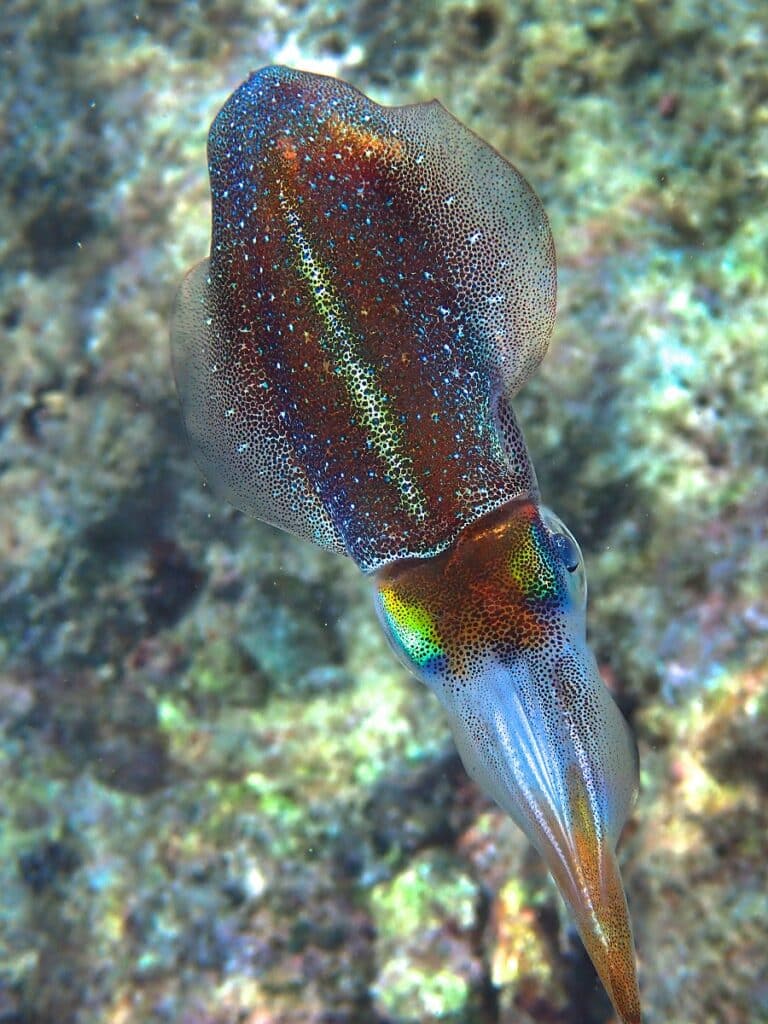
380, 284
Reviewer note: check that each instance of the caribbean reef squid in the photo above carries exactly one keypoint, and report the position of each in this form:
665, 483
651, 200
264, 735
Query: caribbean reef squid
380, 284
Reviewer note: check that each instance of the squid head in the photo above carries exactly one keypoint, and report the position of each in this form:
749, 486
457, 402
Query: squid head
496, 628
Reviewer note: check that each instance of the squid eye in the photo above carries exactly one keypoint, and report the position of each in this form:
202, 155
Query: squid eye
567, 549
569, 553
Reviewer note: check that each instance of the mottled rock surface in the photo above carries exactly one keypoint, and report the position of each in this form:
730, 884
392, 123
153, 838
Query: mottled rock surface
221, 800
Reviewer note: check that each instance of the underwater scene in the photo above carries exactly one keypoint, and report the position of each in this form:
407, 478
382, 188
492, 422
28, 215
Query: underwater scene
320, 402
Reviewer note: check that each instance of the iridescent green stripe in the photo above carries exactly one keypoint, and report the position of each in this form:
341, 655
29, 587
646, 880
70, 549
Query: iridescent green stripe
413, 627
530, 564
371, 401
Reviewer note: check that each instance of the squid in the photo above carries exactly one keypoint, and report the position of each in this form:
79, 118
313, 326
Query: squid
380, 284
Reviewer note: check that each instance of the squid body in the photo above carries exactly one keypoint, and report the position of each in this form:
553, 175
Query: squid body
380, 284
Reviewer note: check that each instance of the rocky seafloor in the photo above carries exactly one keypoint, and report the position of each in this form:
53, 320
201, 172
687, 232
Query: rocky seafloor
221, 800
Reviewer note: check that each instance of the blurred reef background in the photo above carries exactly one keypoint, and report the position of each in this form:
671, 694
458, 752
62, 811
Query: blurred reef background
221, 800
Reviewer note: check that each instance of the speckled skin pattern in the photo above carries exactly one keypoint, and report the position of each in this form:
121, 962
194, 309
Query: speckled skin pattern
371, 272
380, 284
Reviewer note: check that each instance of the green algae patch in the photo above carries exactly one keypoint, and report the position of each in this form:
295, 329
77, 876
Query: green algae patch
422, 917
431, 891
172, 717
412, 993
279, 807
520, 952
